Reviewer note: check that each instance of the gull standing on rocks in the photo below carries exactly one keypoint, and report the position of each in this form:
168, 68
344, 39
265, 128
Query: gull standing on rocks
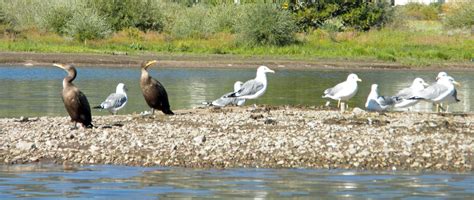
439, 91
375, 102
449, 100
224, 100
252, 89
115, 101
418, 85
75, 101
153, 91
343, 91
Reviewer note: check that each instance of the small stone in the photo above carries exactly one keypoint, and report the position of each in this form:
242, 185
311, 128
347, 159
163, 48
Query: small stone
358, 111
200, 139
70, 136
25, 146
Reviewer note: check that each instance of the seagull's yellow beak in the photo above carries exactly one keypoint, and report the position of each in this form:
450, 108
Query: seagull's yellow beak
360, 80
457, 83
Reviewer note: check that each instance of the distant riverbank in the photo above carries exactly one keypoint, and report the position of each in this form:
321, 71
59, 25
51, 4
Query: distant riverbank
118, 59
267, 136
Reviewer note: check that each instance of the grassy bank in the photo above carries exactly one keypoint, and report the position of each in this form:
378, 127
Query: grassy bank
415, 48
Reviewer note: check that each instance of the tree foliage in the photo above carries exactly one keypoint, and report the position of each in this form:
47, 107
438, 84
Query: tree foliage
358, 14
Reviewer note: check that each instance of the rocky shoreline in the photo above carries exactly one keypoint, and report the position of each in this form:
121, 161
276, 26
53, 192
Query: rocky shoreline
266, 136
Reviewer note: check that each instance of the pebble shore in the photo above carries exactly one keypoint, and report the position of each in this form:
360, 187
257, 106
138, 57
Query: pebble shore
265, 136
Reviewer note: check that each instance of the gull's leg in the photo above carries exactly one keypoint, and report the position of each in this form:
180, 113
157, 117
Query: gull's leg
339, 103
447, 108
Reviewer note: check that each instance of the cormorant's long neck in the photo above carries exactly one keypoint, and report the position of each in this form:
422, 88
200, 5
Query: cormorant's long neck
145, 76
71, 75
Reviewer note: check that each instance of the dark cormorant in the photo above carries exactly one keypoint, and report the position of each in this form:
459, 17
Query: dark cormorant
153, 91
74, 100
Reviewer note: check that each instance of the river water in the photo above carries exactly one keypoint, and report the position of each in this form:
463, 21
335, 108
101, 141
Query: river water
35, 91
119, 182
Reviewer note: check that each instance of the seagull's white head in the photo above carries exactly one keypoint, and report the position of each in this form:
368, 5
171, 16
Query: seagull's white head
441, 74
237, 85
419, 83
121, 88
448, 80
264, 69
353, 77
374, 87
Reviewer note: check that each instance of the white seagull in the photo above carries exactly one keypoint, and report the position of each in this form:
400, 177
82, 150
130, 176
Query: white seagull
450, 99
417, 86
254, 88
224, 100
343, 91
115, 101
438, 92
375, 102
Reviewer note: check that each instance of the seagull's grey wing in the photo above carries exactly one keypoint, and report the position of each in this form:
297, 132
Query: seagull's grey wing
405, 93
249, 88
223, 100
334, 90
386, 101
432, 92
115, 100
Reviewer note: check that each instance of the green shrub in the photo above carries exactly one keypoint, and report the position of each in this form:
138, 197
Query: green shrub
313, 15
267, 25
368, 15
419, 11
192, 22
120, 14
460, 17
224, 17
86, 24
57, 19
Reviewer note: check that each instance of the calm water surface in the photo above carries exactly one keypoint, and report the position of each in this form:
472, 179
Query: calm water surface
118, 182
35, 91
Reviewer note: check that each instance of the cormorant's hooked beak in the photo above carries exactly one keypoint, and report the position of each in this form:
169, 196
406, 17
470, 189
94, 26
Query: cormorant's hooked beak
59, 65
149, 63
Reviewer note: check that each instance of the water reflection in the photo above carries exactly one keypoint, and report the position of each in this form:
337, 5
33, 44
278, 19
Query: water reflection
35, 91
49, 181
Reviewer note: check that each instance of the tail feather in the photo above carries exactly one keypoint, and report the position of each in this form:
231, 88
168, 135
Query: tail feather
168, 111
98, 107
231, 95
415, 98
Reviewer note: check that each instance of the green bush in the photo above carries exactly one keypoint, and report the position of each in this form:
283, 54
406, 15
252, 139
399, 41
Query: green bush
57, 19
419, 11
192, 22
313, 15
120, 14
224, 17
460, 17
86, 24
367, 15
266, 25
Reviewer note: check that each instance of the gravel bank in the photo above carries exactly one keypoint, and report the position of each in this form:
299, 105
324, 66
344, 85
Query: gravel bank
266, 136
